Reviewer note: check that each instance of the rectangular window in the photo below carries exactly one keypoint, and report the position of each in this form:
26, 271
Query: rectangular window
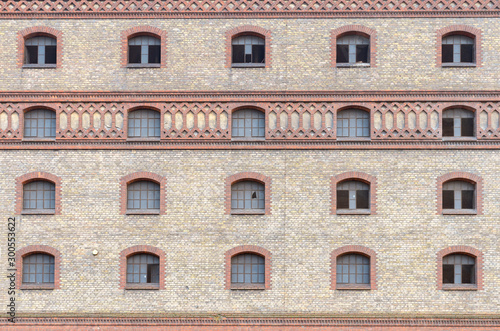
32, 54
238, 53
467, 127
362, 199
448, 274
448, 126
134, 54
342, 199
447, 54
468, 274
258, 52
362, 52
467, 53
448, 199
342, 53
468, 199
50, 54
154, 54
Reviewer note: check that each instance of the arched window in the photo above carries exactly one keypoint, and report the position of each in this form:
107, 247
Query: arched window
459, 194
458, 122
38, 269
40, 50
248, 50
353, 49
40, 123
352, 195
39, 196
248, 124
143, 269
459, 269
353, 123
144, 49
247, 270
144, 123
353, 269
457, 48
247, 197
143, 196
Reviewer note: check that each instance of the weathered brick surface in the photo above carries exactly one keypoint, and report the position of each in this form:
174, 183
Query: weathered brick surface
196, 56
301, 233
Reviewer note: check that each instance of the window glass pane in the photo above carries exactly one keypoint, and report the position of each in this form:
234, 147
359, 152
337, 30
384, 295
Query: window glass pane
447, 54
342, 53
342, 199
238, 53
362, 53
154, 54
50, 54
467, 199
448, 274
31, 55
362, 199
134, 54
466, 53
258, 53
467, 274
448, 199
467, 127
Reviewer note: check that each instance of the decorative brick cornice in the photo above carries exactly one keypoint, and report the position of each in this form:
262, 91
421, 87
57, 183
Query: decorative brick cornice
34, 31
250, 176
354, 29
354, 175
248, 249
137, 176
249, 30
460, 29
144, 30
28, 250
460, 175
141, 249
467, 250
34, 176
355, 249
250, 8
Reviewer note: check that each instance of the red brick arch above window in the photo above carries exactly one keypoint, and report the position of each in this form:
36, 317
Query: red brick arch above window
248, 30
144, 30
34, 176
28, 250
460, 29
250, 176
465, 176
354, 249
141, 249
466, 250
138, 176
354, 29
253, 250
35, 31
354, 175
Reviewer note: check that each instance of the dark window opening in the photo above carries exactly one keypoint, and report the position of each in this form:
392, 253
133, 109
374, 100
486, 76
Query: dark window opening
353, 194
362, 53
459, 195
144, 50
32, 54
134, 54
143, 268
457, 49
447, 54
248, 49
40, 50
459, 269
50, 54
353, 49
458, 123
467, 53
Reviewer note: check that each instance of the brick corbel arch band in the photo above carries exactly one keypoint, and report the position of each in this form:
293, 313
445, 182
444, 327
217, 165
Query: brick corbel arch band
354, 175
467, 250
143, 175
251, 176
248, 249
144, 30
39, 31
354, 29
28, 250
248, 29
465, 176
357, 249
140, 249
462, 29
31, 177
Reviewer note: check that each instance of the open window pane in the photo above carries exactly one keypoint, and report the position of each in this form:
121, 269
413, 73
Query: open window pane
50, 54
467, 53
362, 53
448, 199
342, 199
258, 52
467, 127
31, 55
467, 199
154, 54
134, 54
448, 274
447, 54
362, 199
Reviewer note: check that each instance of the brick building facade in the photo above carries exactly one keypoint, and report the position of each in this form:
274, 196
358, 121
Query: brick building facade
419, 79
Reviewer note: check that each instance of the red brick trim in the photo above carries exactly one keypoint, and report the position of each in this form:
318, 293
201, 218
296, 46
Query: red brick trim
248, 249
248, 30
467, 250
251, 176
144, 30
354, 175
34, 31
139, 249
465, 176
28, 250
137, 176
461, 29
34, 176
354, 29
358, 250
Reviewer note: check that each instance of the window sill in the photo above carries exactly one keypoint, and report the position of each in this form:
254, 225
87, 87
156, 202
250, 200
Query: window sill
143, 65
459, 138
459, 287
248, 212
139, 286
458, 65
143, 212
37, 287
459, 212
38, 212
39, 66
353, 287
248, 65
354, 212
353, 65
248, 287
